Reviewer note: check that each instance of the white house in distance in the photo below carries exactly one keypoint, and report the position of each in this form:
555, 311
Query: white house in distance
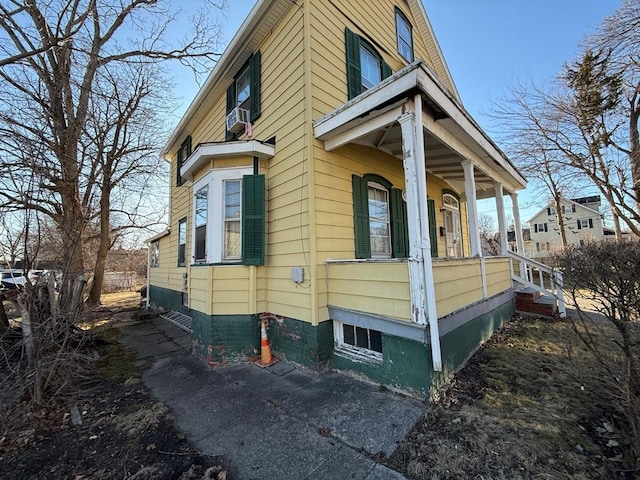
583, 222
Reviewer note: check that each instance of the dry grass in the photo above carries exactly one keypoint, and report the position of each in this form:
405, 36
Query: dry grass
530, 405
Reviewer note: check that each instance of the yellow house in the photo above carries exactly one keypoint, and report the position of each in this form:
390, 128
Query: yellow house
325, 178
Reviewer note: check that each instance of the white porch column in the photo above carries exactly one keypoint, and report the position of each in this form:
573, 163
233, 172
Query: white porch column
502, 224
419, 245
516, 220
472, 208
415, 261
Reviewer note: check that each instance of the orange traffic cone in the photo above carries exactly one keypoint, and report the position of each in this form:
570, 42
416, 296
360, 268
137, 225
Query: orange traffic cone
265, 349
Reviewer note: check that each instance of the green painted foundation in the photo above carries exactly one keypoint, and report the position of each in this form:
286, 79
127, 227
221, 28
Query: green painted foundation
301, 342
406, 364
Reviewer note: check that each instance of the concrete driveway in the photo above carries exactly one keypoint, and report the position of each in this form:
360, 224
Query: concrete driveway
279, 422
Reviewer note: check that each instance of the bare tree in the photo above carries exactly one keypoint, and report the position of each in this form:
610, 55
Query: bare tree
51, 135
619, 36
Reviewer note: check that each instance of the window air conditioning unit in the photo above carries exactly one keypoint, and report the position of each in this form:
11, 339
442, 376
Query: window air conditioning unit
237, 119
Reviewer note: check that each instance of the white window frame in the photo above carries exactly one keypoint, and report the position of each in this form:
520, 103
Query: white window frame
215, 220
226, 220
400, 40
377, 186
584, 223
245, 75
453, 239
352, 350
365, 52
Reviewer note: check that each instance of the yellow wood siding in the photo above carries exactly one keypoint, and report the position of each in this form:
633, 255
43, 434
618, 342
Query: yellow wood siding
230, 289
498, 275
378, 288
458, 283
373, 20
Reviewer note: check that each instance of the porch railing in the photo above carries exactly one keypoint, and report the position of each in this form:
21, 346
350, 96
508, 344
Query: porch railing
539, 277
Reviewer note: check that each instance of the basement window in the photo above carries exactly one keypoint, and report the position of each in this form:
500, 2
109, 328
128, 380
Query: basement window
363, 342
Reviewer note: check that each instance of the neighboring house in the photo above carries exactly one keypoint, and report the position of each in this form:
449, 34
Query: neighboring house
526, 239
582, 222
325, 177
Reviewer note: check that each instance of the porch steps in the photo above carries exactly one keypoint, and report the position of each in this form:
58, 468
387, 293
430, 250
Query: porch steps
533, 302
185, 322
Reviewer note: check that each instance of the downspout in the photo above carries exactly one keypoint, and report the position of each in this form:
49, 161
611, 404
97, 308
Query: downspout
425, 242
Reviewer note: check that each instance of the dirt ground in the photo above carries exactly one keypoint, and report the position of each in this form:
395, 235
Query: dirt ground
124, 433
529, 405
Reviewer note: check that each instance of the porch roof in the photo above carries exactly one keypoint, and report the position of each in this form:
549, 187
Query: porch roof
452, 135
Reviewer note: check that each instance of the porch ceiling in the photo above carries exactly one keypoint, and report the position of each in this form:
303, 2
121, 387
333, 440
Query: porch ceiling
441, 160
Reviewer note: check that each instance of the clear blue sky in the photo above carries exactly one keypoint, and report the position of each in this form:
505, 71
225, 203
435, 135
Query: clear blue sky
488, 45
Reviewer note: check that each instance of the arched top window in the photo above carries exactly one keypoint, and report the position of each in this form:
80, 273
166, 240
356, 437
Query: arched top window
365, 66
450, 201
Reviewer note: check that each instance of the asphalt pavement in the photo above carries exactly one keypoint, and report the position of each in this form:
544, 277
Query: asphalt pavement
278, 422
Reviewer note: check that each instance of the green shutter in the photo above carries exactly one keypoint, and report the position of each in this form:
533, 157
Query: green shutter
255, 98
399, 233
231, 104
361, 217
579, 226
433, 237
187, 144
385, 70
354, 75
253, 219
178, 166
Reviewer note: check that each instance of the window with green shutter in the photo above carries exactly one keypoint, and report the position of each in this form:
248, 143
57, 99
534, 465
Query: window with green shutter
380, 218
183, 153
253, 219
365, 66
245, 91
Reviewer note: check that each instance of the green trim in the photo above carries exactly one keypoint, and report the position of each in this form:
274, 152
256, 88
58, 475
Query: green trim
433, 235
354, 74
399, 228
231, 104
361, 217
253, 219
353, 42
255, 87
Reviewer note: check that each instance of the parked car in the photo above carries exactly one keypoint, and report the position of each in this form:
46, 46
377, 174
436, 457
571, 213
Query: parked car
12, 279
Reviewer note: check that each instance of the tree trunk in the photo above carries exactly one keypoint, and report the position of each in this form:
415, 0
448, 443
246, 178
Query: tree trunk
563, 234
4, 320
616, 226
634, 143
104, 246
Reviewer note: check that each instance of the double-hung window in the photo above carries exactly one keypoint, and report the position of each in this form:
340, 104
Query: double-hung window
380, 218
365, 66
182, 242
201, 218
229, 217
585, 223
232, 220
245, 90
404, 36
